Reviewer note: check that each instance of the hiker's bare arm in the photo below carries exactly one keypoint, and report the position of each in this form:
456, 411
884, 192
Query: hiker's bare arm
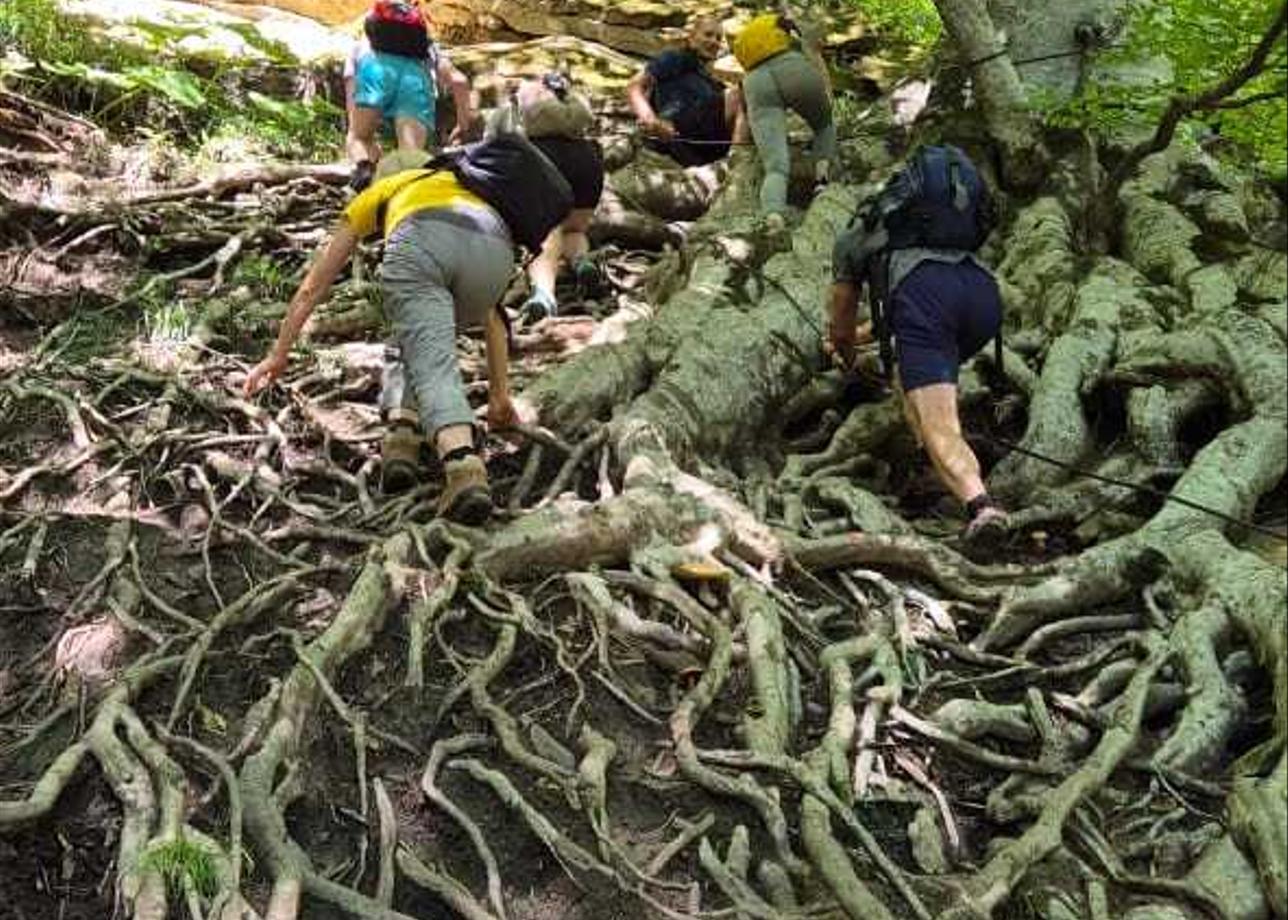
311, 292
637, 93
843, 315
500, 408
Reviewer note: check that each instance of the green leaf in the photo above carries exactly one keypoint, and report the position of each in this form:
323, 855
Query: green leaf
179, 86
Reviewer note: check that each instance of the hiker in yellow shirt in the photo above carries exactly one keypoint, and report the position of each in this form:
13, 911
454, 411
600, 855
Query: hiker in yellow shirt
450, 236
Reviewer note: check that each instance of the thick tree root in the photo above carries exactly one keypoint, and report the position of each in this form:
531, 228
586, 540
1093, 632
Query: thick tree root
995, 882
292, 872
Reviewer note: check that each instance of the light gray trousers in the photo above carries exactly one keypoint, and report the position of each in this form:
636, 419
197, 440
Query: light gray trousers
443, 270
786, 81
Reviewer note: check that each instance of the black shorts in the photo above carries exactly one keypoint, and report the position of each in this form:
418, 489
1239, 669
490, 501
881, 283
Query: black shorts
941, 314
582, 164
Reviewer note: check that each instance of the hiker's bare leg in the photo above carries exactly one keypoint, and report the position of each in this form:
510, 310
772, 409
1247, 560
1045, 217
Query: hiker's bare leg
935, 409
575, 241
567, 241
360, 143
909, 414
545, 267
412, 133
450, 437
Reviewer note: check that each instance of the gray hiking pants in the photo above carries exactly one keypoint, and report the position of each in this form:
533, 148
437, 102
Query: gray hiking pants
443, 269
786, 81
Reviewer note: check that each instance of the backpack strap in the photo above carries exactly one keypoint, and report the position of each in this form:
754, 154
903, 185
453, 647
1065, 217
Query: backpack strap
879, 307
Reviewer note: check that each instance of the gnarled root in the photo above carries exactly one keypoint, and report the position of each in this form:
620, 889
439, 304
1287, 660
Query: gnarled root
361, 616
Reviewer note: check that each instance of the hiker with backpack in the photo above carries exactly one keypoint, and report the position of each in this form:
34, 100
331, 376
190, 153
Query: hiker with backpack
450, 226
558, 122
933, 305
683, 110
781, 77
392, 77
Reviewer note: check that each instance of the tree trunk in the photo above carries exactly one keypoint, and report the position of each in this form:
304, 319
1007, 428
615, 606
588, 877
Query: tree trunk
1001, 95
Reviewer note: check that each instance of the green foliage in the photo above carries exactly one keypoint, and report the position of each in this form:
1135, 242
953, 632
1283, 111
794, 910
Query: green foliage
291, 127
181, 863
144, 88
274, 50
42, 32
90, 332
265, 276
1203, 42
914, 23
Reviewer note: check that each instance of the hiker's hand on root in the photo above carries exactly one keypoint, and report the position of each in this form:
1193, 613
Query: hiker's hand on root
660, 128
840, 349
264, 373
502, 412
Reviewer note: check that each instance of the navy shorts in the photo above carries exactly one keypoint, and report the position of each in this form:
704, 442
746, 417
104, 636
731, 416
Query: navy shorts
941, 314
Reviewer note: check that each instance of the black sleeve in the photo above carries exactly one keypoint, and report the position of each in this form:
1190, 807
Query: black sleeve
671, 64
847, 256
853, 252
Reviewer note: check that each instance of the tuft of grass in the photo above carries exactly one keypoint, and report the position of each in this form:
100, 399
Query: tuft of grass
166, 321
182, 863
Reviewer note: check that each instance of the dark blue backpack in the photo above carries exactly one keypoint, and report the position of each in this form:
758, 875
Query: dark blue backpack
937, 200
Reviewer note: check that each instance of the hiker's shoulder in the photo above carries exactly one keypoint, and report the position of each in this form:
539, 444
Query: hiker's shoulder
673, 62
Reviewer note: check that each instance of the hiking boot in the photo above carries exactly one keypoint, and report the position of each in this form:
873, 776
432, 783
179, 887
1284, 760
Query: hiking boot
588, 278
822, 174
987, 529
538, 306
399, 458
363, 172
466, 498
777, 234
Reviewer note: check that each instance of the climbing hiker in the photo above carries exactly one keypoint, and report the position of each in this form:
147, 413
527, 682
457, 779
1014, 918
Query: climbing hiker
685, 111
780, 77
392, 77
450, 225
558, 121
913, 246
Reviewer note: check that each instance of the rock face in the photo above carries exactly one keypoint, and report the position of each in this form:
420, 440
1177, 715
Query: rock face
637, 26
331, 12
214, 30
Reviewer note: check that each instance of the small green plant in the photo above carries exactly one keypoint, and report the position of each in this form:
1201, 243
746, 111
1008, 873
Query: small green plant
90, 332
266, 276
166, 320
182, 863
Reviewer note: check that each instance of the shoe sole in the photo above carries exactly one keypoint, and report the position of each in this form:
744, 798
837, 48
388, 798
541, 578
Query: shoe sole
471, 507
988, 537
397, 476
